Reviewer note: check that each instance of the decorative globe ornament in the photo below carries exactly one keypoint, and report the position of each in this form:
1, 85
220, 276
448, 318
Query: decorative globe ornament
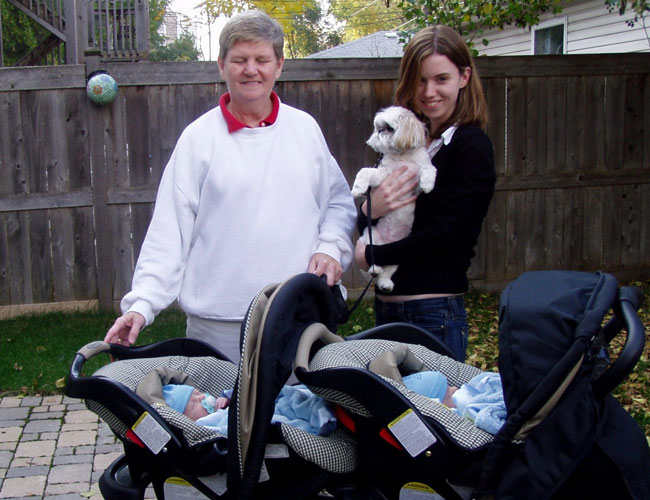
101, 88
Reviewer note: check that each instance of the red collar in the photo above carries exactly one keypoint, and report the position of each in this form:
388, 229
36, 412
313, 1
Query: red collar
234, 124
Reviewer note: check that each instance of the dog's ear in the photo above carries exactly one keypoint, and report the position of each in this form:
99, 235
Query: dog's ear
410, 132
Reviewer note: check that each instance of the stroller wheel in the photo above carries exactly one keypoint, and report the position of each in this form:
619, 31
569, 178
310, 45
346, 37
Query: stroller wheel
116, 483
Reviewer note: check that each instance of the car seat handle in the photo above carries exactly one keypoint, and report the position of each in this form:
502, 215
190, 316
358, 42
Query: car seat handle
84, 354
310, 335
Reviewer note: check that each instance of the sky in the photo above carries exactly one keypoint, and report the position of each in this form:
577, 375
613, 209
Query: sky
199, 25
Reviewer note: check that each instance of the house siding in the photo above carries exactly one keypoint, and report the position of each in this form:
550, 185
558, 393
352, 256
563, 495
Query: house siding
591, 28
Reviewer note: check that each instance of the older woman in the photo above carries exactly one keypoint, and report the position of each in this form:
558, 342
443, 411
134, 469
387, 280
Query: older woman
250, 196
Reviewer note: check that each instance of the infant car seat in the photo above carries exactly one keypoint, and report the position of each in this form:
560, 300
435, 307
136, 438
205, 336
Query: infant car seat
256, 460
408, 444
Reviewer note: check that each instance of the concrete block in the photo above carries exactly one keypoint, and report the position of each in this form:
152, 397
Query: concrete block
18, 487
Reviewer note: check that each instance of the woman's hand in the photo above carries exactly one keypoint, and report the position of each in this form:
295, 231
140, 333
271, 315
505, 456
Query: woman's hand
393, 193
125, 330
321, 263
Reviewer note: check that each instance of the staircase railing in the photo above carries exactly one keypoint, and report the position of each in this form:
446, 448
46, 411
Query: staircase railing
118, 29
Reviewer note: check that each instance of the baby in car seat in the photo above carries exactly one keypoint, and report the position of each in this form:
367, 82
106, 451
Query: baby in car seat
193, 403
295, 405
480, 399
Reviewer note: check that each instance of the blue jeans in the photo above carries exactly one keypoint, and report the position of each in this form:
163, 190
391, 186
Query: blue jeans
444, 317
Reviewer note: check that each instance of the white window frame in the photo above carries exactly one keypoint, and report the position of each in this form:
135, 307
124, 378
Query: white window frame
549, 24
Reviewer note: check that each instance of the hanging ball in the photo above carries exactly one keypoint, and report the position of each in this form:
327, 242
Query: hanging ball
101, 88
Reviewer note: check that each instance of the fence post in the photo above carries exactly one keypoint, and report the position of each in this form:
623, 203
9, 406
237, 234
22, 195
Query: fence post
104, 263
142, 28
76, 30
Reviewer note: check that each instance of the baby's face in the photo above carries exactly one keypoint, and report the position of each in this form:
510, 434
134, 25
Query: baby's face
194, 409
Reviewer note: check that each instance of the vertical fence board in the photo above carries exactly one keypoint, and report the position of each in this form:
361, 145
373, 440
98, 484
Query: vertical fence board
534, 230
573, 228
517, 155
495, 94
593, 228
536, 120
553, 229
630, 230
515, 229
644, 230
496, 234
556, 125
614, 120
634, 122
592, 148
612, 228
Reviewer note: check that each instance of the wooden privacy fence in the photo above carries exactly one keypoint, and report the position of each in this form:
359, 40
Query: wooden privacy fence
78, 182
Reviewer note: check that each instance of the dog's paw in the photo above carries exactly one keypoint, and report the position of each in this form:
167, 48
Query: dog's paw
427, 179
375, 270
358, 190
385, 284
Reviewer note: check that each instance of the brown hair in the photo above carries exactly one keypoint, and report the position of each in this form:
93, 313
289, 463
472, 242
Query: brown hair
471, 106
251, 26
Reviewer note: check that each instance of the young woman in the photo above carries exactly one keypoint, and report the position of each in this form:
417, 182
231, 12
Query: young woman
439, 82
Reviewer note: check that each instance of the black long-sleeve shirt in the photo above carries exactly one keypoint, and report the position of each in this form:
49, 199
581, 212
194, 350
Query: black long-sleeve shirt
435, 257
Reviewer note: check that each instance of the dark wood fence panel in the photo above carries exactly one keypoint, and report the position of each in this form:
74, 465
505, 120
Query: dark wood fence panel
78, 182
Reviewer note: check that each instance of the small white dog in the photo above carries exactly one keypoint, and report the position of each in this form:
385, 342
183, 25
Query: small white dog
400, 137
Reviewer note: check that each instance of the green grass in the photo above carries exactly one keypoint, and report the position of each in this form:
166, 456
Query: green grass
36, 351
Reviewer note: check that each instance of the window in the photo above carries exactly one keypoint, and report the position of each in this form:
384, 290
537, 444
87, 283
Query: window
549, 38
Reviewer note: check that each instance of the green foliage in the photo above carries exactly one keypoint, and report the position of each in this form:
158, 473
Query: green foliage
182, 49
305, 27
641, 8
471, 18
20, 34
359, 18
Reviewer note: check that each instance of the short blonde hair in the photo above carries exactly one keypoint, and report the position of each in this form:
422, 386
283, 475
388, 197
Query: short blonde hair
251, 26
471, 106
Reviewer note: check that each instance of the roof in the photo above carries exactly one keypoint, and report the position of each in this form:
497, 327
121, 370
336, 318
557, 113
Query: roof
379, 44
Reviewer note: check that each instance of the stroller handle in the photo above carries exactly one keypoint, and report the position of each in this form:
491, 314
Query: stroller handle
628, 301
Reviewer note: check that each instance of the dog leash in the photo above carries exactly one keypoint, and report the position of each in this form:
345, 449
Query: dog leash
372, 257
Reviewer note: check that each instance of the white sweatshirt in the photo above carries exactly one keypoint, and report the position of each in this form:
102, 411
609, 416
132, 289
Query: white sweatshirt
236, 212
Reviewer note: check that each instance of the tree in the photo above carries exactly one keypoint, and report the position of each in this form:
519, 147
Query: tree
364, 17
305, 27
471, 18
20, 34
641, 9
182, 49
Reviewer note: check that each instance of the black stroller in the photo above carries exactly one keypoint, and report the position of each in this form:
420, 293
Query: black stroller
166, 449
565, 436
